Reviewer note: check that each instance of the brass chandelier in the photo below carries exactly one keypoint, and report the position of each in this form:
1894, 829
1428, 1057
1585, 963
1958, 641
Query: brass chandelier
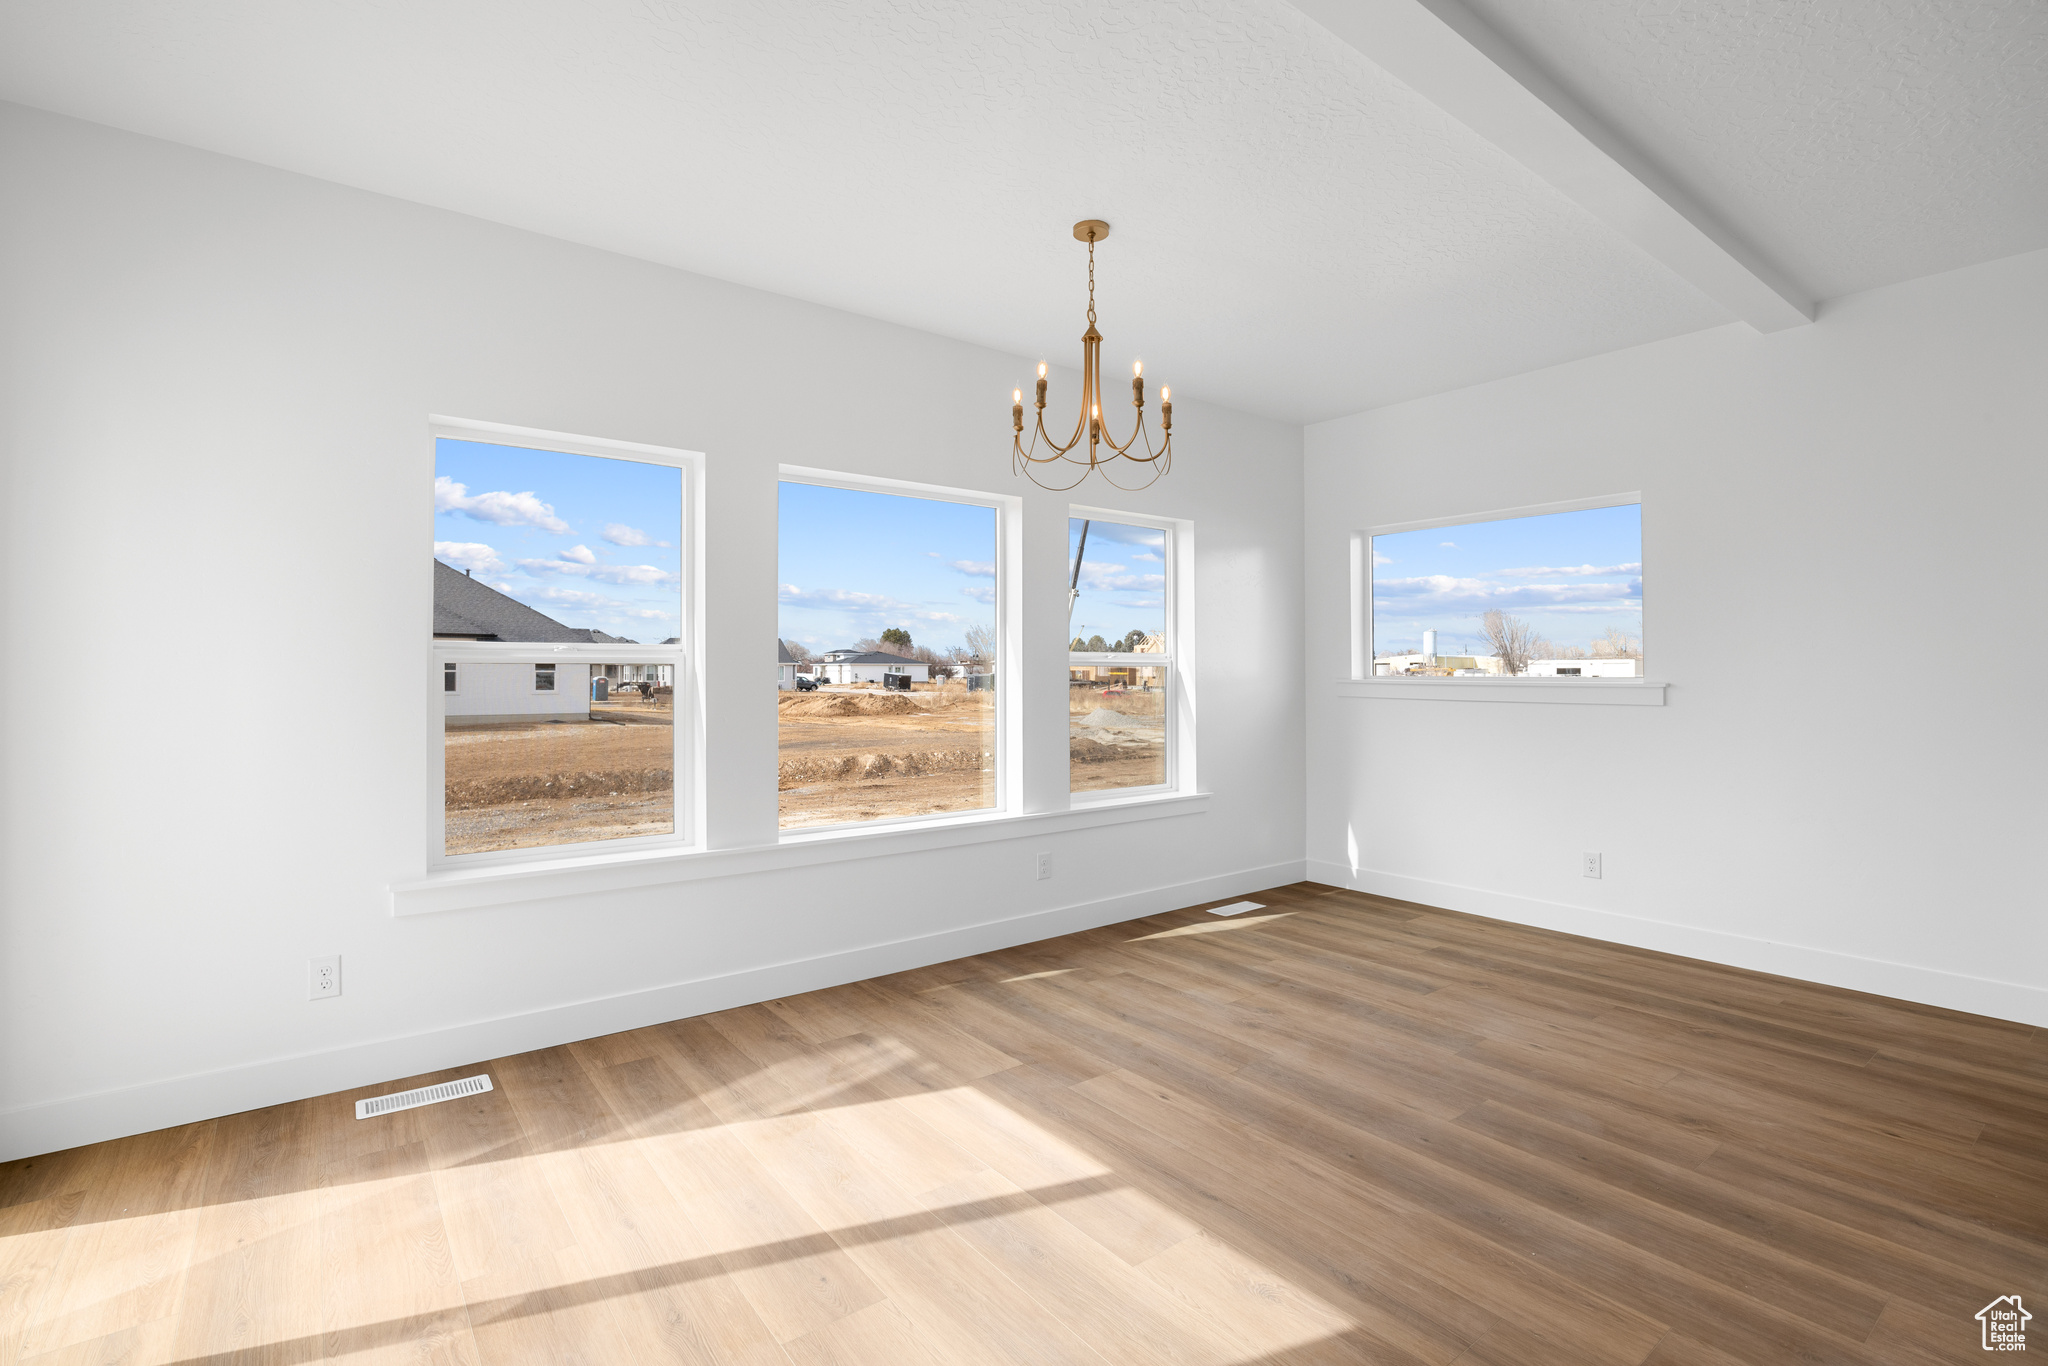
1103, 449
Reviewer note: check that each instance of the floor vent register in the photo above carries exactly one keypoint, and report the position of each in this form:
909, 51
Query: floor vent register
424, 1095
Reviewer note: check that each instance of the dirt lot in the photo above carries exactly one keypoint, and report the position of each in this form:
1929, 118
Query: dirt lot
846, 755
862, 754
522, 786
1115, 738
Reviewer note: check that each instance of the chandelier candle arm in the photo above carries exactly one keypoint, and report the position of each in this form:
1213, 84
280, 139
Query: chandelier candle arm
1089, 422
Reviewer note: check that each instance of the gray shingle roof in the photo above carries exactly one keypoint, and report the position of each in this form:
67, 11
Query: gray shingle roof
782, 654
467, 609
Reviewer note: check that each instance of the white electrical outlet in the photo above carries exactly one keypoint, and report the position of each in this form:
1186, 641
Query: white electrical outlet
1589, 865
1044, 863
325, 978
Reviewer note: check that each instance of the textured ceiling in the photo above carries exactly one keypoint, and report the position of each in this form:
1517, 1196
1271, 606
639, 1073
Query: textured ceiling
1296, 233
1855, 142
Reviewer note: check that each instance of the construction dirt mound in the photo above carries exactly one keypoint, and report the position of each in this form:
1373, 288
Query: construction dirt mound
1082, 750
854, 704
468, 794
843, 767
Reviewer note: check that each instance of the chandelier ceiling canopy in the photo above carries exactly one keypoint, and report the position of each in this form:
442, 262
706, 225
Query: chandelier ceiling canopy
1103, 450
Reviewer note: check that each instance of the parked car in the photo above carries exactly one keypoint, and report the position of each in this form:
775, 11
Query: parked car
804, 684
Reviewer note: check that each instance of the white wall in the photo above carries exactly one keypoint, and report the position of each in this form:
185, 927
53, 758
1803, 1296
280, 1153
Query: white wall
1843, 582
216, 380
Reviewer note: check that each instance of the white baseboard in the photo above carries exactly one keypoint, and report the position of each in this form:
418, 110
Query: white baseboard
1831, 967
54, 1125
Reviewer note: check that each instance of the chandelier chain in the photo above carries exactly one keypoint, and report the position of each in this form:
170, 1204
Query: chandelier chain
1091, 279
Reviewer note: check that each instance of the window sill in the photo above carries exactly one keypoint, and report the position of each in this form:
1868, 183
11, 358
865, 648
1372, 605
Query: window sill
1609, 692
596, 874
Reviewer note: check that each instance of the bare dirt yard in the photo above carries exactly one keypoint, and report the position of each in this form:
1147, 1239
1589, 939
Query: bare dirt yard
1115, 738
860, 754
564, 782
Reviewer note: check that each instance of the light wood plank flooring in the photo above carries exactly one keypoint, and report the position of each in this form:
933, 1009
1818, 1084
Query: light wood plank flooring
1337, 1130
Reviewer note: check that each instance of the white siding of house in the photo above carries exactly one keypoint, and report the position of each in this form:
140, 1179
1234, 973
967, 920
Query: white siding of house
872, 673
488, 692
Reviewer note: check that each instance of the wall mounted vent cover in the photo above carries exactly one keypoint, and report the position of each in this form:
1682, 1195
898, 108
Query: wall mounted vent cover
425, 1095
1237, 908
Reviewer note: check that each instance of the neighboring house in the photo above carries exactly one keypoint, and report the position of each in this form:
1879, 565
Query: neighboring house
852, 666
785, 667
479, 693
1585, 668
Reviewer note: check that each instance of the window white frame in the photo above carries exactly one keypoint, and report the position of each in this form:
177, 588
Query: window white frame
1362, 682
1176, 660
687, 731
1009, 510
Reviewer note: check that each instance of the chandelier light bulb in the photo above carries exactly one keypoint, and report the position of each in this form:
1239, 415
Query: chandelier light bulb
1095, 411
1137, 368
1041, 369
1166, 394
1016, 396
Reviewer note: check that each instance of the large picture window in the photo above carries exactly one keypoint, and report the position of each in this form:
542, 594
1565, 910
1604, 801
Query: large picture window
557, 643
1120, 666
1550, 594
887, 664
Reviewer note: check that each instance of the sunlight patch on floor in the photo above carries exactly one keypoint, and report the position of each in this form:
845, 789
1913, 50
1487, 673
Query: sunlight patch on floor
1213, 927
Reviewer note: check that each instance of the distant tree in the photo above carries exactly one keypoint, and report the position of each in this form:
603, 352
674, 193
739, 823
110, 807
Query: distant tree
1512, 639
1077, 644
868, 645
981, 646
1132, 640
1618, 644
932, 659
896, 635
1564, 652
1096, 645
798, 652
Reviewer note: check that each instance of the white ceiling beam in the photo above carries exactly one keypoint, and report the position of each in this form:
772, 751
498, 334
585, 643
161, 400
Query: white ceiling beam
1453, 59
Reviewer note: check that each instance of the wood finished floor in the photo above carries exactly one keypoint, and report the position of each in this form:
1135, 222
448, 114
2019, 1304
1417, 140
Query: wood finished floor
1337, 1130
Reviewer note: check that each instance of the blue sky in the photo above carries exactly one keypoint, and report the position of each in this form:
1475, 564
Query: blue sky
851, 564
1571, 575
590, 542
1123, 580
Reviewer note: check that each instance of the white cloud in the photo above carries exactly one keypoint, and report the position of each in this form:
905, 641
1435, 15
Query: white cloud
1109, 577
981, 592
499, 508
618, 533
974, 567
1378, 558
1581, 571
472, 555
644, 574
1148, 555
1447, 545
875, 607
1441, 593
597, 603
579, 553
